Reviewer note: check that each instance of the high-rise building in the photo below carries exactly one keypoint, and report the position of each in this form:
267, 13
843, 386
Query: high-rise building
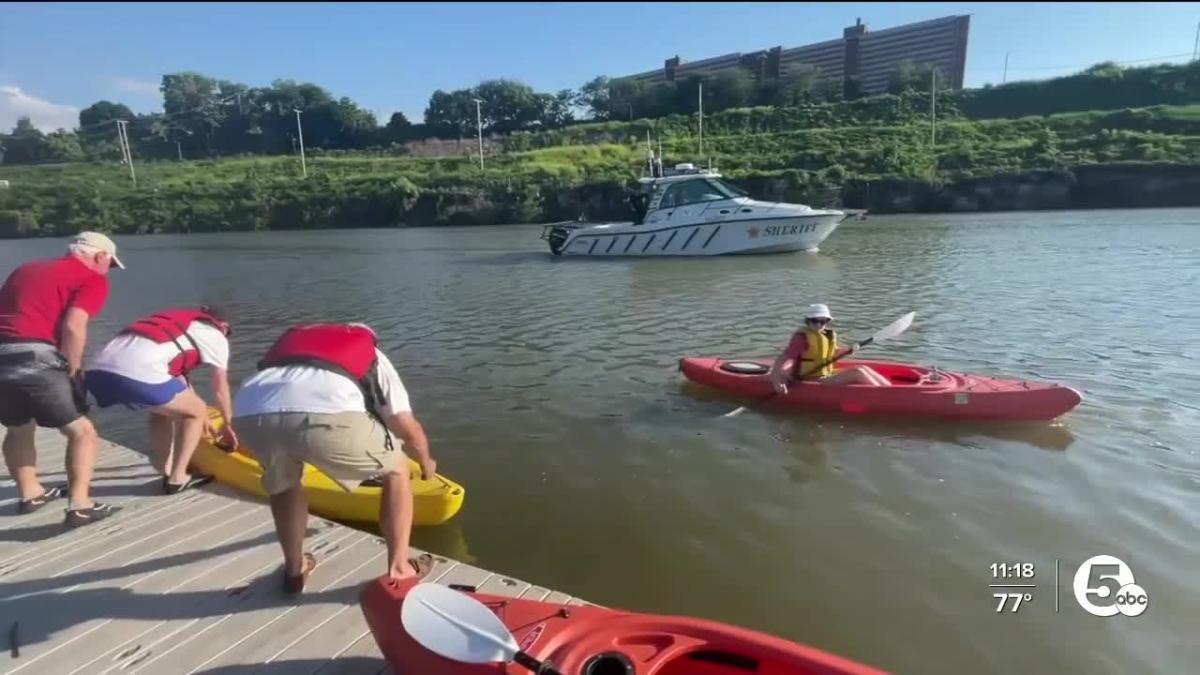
868, 56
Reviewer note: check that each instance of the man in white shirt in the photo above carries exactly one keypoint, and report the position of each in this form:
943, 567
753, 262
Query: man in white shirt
326, 395
146, 367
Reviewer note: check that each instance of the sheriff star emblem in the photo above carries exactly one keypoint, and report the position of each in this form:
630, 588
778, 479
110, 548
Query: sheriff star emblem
754, 231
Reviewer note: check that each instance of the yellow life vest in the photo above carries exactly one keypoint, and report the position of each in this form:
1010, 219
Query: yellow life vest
821, 347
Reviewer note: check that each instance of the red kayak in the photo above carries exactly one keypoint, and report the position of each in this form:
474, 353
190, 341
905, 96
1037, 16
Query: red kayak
915, 390
598, 641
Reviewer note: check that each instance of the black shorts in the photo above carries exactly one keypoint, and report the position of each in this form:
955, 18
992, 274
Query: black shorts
34, 386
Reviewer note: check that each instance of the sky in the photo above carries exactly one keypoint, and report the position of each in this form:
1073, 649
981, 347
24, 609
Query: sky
57, 58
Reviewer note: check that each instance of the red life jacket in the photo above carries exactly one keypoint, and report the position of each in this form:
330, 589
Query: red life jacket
348, 350
171, 325
341, 348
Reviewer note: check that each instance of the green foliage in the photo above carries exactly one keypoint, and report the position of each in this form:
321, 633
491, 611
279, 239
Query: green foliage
912, 76
103, 112
1105, 86
774, 153
505, 106
14, 223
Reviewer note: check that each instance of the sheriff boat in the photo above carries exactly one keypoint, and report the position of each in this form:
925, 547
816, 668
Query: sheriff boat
693, 212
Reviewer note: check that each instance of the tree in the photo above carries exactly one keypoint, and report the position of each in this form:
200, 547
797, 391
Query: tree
509, 105
556, 109
595, 96
731, 88
398, 122
63, 146
910, 76
192, 103
801, 84
355, 126
451, 113
398, 129
25, 145
102, 112
28, 145
625, 100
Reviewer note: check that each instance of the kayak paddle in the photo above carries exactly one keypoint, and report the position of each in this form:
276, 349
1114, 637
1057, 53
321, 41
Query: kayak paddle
888, 332
460, 628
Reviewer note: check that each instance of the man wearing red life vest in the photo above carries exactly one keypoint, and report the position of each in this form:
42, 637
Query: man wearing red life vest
326, 395
146, 367
45, 306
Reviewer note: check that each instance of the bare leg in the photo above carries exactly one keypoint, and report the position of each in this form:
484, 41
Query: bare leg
878, 379
20, 456
290, 511
857, 375
395, 521
162, 435
81, 460
188, 411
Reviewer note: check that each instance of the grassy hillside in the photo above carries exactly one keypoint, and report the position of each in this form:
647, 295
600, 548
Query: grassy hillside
784, 147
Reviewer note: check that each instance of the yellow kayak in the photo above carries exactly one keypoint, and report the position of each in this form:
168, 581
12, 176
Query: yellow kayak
434, 501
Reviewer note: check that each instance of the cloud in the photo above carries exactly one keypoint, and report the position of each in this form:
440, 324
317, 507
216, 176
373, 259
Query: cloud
130, 85
47, 116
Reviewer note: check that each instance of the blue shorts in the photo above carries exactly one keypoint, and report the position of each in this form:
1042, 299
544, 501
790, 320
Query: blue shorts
111, 389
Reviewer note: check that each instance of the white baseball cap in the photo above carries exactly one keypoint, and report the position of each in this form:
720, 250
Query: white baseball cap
99, 242
818, 311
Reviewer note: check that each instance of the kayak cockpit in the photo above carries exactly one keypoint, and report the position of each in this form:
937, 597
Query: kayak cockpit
899, 374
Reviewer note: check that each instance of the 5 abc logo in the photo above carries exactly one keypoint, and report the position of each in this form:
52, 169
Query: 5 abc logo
1104, 586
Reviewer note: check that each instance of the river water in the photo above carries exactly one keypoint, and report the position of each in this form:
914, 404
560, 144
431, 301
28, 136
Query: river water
549, 389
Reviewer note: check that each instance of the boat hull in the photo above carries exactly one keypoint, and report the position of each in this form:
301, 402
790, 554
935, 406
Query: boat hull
434, 501
725, 237
962, 396
588, 640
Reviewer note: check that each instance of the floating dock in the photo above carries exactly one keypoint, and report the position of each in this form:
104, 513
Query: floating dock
189, 583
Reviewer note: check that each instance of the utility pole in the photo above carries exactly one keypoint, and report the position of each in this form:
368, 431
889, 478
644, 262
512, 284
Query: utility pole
630, 112
300, 133
479, 129
1196, 44
179, 149
123, 132
1004, 78
932, 107
700, 97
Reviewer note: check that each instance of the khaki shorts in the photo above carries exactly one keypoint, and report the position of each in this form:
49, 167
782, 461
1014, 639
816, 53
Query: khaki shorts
350, 447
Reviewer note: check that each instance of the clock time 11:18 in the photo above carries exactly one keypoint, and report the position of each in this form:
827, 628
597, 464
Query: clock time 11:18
1012, 570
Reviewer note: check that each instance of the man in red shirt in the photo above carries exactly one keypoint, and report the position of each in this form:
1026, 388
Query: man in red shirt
45, 306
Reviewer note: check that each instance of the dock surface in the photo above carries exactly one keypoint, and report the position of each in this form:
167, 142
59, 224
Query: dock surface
189, 583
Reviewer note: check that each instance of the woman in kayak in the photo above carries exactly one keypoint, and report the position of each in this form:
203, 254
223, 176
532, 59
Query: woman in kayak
807, 356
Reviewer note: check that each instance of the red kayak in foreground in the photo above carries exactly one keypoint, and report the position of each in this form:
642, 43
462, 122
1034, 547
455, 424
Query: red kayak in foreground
599, 641
915, 390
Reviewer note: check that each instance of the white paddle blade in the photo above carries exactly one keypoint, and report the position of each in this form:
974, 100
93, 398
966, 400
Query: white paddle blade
894, 328
455, 626
735, 413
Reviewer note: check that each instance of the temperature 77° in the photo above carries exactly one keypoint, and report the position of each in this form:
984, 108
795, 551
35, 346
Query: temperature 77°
1013, 600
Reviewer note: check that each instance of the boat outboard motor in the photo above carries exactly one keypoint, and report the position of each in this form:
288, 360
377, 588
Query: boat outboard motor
558, 238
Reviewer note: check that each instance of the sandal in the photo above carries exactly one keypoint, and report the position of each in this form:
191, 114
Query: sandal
198, 480
422, 565
94, 513
295, 585
31, 505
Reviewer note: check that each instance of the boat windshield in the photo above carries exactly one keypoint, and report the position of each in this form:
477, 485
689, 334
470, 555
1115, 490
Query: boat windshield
726, 189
